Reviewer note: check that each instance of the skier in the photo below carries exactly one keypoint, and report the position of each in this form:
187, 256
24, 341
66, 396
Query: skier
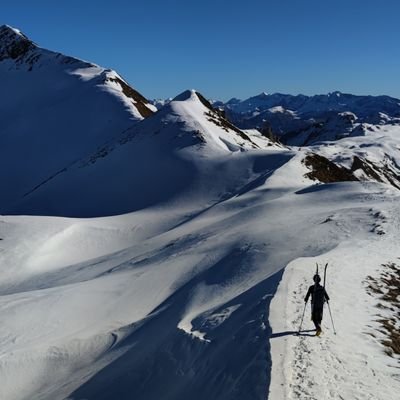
318, 297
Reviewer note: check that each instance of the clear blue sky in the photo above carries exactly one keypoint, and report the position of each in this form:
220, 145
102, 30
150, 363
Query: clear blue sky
226, 48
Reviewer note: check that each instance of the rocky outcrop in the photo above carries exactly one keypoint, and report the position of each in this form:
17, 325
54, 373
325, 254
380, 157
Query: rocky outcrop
14, 45
325, 170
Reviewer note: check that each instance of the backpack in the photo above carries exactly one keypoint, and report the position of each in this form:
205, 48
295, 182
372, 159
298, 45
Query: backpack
319, 296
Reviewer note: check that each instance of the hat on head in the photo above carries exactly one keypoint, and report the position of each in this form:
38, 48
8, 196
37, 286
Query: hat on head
317, 278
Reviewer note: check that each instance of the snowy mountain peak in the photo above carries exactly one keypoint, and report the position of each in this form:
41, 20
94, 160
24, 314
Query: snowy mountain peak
194, 96
17, 52
336, 93
11, 31
55, 110
208, 124
13, 43
189, 94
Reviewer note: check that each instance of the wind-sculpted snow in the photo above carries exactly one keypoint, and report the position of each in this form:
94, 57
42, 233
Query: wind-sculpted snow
176, 303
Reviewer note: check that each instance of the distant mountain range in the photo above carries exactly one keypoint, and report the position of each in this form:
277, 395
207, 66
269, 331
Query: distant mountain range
303, 120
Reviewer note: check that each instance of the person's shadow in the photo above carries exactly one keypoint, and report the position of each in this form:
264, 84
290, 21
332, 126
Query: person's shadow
292, 333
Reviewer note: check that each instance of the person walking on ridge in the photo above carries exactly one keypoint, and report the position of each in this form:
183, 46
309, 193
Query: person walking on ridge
318, 296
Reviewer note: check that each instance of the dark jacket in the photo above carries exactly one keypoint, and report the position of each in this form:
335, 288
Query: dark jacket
318, 295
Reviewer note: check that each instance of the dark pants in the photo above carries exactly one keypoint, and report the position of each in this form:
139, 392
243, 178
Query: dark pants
316, 317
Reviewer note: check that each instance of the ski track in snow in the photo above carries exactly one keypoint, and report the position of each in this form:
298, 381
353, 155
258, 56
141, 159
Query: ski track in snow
351, 364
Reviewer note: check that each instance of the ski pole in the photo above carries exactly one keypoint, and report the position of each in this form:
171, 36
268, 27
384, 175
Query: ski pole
302, 317
330, 313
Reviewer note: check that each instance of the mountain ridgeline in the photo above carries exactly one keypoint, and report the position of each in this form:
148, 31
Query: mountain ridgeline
69, 126
77, 140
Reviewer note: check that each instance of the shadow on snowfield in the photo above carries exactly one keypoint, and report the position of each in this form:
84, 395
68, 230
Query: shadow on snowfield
162, 361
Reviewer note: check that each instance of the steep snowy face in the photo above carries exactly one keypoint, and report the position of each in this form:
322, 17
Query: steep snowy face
197, 114
54, 111
195, 123
17, 52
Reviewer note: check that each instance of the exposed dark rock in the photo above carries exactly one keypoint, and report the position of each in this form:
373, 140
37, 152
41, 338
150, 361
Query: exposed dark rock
377, 172
217, 116
226, 125
387, 289
325, 170
139, 100
365, 166
13, 45
205, 102
267, 132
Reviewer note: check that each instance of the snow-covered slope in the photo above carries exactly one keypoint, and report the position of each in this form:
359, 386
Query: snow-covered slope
171, 155
162, 302
54, 110
90, 142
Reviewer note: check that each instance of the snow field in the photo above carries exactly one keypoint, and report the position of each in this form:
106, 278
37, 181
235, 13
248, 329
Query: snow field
157, 293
